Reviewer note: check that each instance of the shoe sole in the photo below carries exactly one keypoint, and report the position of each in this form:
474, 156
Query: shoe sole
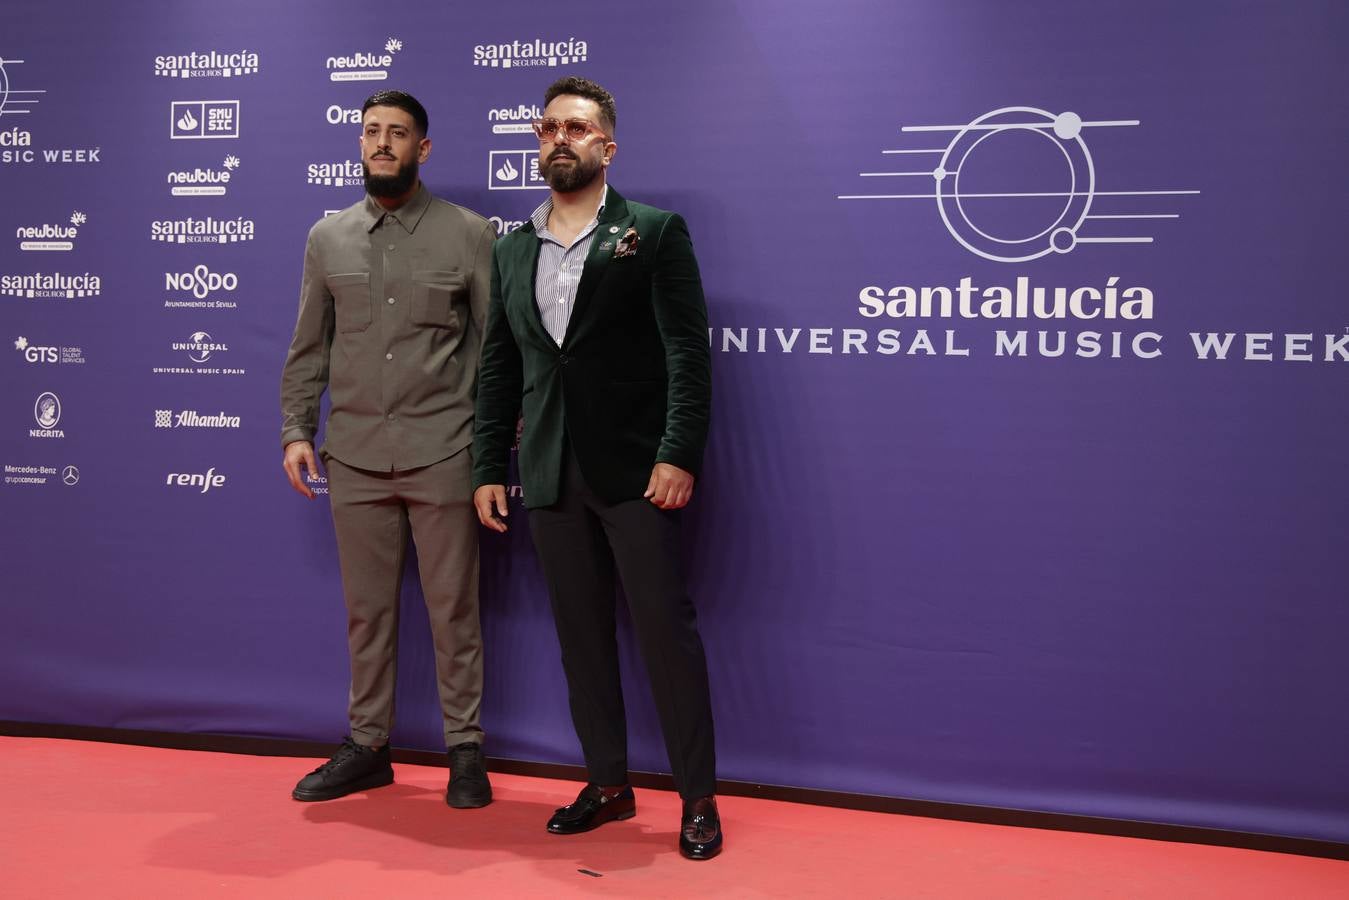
369, 782
621, 817
469, 802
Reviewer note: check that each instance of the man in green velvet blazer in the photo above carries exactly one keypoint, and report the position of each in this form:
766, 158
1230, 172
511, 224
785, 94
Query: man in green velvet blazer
597, 330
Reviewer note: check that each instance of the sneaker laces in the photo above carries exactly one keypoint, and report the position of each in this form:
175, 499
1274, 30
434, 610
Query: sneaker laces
348, 751
466, 761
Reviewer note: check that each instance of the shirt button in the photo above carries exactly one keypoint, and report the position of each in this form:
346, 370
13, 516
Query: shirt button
391, 301
391, 246
390, 417
388, 356
561, 299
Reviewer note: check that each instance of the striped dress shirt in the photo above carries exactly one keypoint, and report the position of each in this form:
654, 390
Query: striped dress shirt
559, 270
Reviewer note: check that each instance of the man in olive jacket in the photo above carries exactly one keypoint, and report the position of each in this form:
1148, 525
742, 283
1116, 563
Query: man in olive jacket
597, 329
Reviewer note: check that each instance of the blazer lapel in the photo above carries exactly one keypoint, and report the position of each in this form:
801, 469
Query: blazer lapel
614, 221
525, 253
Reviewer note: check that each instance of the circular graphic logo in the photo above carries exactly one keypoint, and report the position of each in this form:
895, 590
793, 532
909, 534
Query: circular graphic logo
70, 475
201, 350
47, 410
1039, 211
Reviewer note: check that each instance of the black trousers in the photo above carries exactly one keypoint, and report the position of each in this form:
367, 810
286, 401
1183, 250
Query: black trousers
581, 541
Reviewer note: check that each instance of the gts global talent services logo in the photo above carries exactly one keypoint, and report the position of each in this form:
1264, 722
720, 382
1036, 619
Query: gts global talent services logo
41, 355
364, 65
336, 174
207, 64
531, 54
196, 120
50, 236
201, 182
203, 230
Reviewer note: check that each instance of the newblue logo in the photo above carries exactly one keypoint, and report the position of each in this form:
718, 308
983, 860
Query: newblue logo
514, 119
364, 65
201, 182
50, 237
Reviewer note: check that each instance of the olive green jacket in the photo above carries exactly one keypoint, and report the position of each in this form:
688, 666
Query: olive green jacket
630, 385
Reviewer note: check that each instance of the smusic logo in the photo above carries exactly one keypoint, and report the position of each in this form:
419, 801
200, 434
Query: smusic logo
193, 120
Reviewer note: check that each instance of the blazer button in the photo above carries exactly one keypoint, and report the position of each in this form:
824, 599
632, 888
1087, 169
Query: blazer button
563, 358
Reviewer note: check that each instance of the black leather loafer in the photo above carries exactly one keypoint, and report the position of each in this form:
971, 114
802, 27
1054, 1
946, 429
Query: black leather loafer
592, 809
700, 831
353, 768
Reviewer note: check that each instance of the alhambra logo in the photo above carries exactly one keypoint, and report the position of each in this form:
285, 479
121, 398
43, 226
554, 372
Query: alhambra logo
207, 64
531, 54
190, 418
1019, 183
201, 182
336, 174
48, 237
364, 65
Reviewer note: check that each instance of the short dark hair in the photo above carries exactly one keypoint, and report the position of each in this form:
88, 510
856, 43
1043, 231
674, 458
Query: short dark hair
403, 101
575, 86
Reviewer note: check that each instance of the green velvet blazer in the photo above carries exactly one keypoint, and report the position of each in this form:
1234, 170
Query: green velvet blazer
630, 385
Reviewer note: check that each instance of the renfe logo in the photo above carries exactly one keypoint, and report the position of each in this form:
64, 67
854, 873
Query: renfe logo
205, 482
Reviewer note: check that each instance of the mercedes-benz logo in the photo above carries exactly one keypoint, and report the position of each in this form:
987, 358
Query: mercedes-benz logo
70, 475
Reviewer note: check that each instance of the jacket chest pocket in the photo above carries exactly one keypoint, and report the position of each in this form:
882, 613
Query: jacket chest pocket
434, 297
351, 301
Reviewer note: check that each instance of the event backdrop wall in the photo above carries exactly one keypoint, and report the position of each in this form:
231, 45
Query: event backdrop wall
1027, 480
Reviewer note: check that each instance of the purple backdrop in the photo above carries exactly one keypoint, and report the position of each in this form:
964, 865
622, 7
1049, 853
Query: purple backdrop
933, 556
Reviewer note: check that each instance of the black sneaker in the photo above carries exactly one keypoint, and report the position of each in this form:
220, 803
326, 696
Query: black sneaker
352, 768
469, 788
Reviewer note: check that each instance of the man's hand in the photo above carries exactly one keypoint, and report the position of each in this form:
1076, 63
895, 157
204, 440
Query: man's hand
670, 487
483, 500
300, 453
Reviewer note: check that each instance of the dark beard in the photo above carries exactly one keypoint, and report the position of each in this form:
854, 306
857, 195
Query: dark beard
391, 185
565, 179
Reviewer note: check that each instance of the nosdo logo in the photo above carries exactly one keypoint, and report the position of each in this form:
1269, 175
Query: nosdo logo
1019, 183
34, 353
207, 230
200, 346
47, 412
514, 119
525, 54
364, 65
51, 286
211, 479
203, 182
16, 144
207, 64
190, 418
51, 237
336, 174
201, 283
195, 120
342, 115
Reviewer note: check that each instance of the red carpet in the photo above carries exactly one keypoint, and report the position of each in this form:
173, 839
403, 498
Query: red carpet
92, 820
